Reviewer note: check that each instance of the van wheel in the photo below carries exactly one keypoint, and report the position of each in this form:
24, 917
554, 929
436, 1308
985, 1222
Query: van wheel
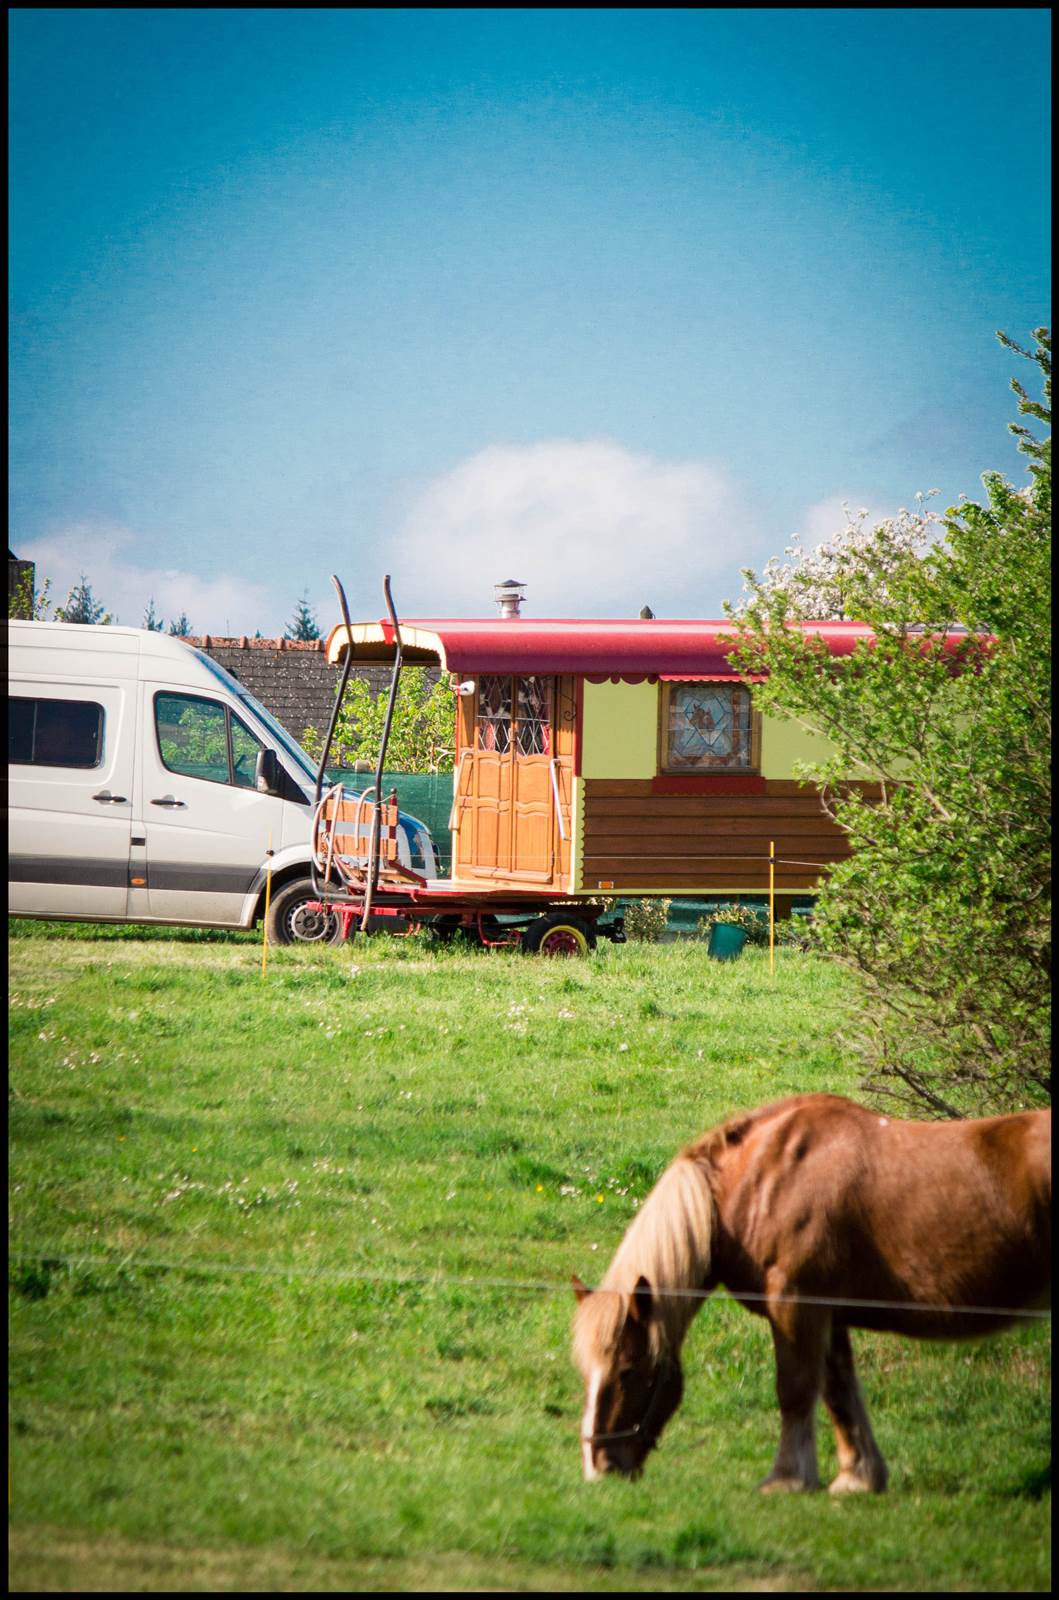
291, 922
558, 935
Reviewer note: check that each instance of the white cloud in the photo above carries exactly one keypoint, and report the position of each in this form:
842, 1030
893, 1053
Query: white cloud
212, 605
590, 527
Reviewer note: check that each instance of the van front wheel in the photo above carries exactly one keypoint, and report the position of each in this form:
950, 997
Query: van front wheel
290, 920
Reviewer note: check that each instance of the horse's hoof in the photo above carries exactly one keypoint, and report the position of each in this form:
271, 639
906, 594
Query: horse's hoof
855, 1483
774, 1485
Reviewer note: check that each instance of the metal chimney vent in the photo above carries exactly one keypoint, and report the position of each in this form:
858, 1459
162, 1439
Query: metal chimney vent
510, 593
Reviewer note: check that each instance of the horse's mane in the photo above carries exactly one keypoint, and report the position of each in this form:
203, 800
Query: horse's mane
668, 1243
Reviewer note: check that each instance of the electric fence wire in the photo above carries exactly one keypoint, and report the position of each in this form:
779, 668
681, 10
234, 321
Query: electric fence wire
130, 1262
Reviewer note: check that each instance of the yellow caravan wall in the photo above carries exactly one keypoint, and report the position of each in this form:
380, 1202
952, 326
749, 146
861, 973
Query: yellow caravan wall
619, 730
620, 735
783, 743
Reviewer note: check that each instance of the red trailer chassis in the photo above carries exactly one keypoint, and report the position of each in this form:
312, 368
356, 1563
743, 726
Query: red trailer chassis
486, 916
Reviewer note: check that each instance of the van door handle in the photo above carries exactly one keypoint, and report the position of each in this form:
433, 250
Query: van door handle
171, 801
105, 798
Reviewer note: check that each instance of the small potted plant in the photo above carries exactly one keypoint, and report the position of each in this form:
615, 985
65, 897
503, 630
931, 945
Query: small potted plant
730, 930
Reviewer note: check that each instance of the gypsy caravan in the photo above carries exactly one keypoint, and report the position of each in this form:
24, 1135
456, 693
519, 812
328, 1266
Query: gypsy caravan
593, 759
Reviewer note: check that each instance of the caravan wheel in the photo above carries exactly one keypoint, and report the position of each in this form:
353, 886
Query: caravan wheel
558, 935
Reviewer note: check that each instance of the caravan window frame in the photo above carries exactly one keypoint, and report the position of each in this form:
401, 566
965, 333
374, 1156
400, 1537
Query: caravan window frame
667, 767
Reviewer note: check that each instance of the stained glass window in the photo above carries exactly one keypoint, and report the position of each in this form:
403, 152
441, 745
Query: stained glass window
708, 727
494, 714
534, 734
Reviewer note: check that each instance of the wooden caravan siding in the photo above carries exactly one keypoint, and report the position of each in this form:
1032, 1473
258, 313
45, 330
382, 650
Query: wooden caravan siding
635, 839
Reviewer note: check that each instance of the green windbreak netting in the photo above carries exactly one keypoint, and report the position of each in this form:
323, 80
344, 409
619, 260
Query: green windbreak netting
424, 795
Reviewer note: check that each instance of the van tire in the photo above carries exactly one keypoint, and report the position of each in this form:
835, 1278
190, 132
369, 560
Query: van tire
289, 923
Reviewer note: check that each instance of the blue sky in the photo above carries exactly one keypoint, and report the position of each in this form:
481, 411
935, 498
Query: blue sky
612, 301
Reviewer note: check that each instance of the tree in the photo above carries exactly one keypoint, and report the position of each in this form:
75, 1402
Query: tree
82, 606
819, 584
152, 623
943, 909
24, 604
304, 624
422, 733
181, 628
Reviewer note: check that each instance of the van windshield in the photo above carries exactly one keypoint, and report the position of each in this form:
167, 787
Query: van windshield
277, 730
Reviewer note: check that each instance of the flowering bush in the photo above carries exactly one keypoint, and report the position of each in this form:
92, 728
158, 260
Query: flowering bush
646, 920
825, 582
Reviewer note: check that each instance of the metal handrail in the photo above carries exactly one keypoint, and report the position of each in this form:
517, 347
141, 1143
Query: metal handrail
558, 802
456, 796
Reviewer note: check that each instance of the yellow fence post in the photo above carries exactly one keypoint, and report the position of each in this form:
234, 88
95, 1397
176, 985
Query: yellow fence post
268, 895
772, 906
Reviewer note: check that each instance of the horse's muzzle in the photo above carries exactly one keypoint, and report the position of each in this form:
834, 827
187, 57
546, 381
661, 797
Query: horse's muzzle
625, 1461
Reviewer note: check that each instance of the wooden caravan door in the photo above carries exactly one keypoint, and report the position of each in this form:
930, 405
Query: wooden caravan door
514, 779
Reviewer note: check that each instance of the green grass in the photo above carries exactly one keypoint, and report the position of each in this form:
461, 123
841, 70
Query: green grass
289, 1282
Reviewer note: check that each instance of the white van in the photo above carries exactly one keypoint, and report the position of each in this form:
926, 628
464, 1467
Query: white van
147, 785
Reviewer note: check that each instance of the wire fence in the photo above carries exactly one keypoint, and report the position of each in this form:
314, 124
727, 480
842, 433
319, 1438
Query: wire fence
132, 1262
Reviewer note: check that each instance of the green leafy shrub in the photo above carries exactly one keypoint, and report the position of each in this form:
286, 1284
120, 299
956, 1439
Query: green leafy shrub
647, 920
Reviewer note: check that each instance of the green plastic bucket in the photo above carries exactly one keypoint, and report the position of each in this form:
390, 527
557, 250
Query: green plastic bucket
726, 941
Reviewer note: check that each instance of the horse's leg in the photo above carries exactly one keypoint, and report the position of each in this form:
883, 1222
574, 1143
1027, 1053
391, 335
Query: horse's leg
860, 1461
799, 1336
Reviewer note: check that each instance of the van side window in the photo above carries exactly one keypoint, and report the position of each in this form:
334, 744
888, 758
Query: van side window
200, 738
55, 733
244, 755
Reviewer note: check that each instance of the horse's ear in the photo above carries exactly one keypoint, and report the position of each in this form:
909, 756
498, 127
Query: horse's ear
641, 1303
581, 1290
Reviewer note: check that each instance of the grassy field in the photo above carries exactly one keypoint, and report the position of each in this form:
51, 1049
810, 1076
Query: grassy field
290, 1266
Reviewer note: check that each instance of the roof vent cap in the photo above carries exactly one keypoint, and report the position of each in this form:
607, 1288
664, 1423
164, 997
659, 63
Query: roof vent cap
510, 593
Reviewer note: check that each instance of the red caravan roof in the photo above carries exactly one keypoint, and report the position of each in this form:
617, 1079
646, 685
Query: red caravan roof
594, 647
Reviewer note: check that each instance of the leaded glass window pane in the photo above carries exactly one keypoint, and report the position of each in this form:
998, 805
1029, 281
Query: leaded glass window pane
534, 716
709, 727
494, 714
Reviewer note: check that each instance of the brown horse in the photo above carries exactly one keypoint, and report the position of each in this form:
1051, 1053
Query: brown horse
821, 1216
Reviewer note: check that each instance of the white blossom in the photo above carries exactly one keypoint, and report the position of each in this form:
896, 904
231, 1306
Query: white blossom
816, 580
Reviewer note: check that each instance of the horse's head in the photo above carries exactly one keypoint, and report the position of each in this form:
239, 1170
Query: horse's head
633, 1384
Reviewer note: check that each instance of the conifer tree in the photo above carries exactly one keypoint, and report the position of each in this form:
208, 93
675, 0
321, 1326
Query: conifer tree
82, 606
304, 624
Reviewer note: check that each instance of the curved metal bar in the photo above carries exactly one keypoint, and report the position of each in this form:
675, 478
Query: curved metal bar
334, 715
341, 689
373, 844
